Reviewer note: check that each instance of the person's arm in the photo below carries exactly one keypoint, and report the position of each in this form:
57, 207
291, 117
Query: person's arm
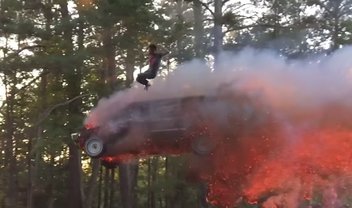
164, 51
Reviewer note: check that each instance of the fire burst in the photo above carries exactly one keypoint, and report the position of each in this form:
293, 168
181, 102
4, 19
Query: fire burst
296, 149
287, 162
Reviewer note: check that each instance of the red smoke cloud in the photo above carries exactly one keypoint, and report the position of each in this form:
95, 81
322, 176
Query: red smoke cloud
286, 161
295, 151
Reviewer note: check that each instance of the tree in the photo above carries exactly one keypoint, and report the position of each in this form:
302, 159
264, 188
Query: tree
58, 58
13, 113
199, 36
222, 13
73, 77
333, 18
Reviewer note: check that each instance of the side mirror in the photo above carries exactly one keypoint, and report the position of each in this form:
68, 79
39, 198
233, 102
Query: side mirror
75, 137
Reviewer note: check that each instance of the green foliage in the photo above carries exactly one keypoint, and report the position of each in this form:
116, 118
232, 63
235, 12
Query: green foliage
333, 18
70, 60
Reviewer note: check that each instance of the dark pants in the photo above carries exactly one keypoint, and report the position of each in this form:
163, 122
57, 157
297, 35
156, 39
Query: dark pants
142, 77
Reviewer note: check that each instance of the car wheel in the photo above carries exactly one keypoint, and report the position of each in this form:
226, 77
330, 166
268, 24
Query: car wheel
94, 147
203, 145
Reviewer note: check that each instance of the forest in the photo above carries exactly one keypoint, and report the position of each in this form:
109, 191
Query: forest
58, 58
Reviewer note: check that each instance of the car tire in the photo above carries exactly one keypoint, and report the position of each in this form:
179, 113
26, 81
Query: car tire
203, 145
94, 147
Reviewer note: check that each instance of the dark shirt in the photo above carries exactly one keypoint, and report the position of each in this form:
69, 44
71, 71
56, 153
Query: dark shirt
154, 61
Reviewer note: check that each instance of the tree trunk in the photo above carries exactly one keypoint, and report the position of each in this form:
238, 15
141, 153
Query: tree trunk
335, 35
30, 177
10, 160
75, 186
179, 41
109, 60
73, 79
50, 187
152, 166
336, 26
198, 29
166, 179
100, 187
128, 181
131, 59
92, 184
112, 188
276, 8
154, 169
10, 180
106, 188
128, 172
33, 169
149, 183
218, 34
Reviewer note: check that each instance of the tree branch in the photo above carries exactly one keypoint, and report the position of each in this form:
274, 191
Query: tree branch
208, 19
28, 47
322, 5
257, 25
224, 2
32, 81
206, 6
49, 110
345, 11
240, 6
17, 52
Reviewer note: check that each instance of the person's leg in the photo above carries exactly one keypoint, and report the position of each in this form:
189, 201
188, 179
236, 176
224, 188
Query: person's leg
151, 74
142, 78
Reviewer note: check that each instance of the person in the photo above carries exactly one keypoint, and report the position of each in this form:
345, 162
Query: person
154, 64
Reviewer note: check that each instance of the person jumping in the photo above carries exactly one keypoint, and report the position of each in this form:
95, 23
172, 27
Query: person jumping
154, 64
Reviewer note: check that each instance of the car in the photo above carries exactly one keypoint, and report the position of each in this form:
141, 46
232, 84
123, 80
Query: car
169, 126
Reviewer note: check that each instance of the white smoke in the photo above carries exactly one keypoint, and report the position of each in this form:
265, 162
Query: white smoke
292, 88
284, 84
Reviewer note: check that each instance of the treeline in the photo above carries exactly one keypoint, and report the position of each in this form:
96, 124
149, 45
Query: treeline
59, 57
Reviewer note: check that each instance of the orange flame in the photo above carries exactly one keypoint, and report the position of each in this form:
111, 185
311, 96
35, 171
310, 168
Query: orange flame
271, 165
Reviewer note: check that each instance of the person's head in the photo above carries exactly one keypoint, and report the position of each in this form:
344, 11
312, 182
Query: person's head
152, 48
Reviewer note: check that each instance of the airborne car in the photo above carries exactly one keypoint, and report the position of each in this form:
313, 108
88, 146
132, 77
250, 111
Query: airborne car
164, 127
